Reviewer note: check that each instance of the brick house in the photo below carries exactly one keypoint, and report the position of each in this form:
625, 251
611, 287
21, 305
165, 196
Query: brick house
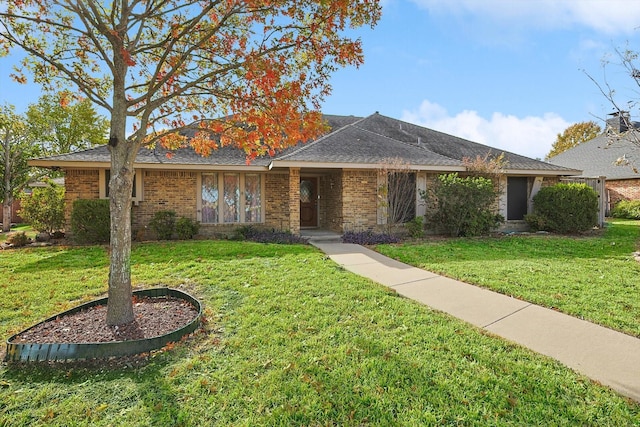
613, 155
333, 182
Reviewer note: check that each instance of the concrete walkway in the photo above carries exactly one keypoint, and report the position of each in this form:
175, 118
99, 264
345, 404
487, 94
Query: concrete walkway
604, 355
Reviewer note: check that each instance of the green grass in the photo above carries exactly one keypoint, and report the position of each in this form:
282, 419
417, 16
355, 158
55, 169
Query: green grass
292, 339
595, 278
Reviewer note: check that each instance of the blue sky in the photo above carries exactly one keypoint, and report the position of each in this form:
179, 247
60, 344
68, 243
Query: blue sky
506, 73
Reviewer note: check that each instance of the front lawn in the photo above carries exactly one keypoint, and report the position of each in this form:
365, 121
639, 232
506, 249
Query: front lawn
292, 339
595, 278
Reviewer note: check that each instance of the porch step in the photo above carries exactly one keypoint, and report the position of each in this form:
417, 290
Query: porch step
321, 236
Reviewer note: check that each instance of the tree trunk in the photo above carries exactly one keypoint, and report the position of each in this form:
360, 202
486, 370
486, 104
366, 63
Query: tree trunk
6, 213
120, 305
7, 199
123, 155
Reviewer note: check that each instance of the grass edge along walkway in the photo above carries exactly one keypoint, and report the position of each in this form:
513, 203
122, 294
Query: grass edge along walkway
602, 354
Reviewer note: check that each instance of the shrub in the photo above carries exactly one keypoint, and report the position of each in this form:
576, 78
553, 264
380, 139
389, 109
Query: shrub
18, 239
186, 228
629, 209
43, 209
462, 206
415, 227
268, 236
565, 208
368, 238
90, 221
163, 224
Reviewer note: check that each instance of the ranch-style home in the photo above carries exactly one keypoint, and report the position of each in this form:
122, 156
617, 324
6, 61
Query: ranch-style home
334, 182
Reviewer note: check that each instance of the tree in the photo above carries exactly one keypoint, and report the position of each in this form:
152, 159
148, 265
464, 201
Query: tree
44, 207
396, 193
63, 126
15, 149
573, 135
247, 73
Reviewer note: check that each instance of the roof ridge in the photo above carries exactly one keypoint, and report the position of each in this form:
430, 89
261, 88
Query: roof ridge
417, 145
306, 145
488, 147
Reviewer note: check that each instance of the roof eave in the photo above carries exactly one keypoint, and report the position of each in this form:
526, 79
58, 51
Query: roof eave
543, 172
140, 165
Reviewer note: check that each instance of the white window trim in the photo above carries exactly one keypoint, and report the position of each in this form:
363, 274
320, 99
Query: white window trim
137, 183
241, 184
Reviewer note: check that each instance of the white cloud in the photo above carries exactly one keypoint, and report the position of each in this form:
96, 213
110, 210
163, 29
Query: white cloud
607, 16
529, 136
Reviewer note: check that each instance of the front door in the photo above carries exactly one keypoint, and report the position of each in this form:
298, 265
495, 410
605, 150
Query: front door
308, 202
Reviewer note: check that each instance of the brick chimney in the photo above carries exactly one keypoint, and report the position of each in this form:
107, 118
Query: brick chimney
619, 121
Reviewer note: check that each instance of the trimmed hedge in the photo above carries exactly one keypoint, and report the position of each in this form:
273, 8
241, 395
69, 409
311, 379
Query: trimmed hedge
163, 224
628, 209
564, 208
90, 221
186, 228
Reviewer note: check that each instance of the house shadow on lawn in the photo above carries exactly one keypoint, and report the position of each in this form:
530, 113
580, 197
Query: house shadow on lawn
619, 240
161, 252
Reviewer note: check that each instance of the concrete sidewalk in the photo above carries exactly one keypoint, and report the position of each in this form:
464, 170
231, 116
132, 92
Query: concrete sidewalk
604, 355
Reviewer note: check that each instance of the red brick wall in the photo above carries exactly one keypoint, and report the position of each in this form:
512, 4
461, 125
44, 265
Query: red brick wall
331, 201
79, 184
623, 189
359, 200
277, 201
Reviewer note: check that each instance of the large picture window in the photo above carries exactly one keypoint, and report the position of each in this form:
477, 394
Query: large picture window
228, 198
210, 198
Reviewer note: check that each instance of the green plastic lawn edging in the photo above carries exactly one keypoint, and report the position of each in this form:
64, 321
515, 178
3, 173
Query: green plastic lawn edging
25, 352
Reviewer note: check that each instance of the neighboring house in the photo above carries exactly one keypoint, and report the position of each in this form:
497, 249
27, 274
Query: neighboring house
333, 182
614, 155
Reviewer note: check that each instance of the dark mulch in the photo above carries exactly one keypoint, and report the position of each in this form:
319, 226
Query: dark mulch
153, 317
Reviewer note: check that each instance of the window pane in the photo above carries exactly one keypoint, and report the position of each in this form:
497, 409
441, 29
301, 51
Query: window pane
306, 191
252, 199
107, 178
231, 198
209, 199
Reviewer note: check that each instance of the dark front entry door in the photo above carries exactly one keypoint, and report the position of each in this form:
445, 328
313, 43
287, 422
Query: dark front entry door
517, 197
308, 202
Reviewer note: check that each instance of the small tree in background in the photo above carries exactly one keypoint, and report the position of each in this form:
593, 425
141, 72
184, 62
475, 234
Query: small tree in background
15, 150
397, 193
574, 135
61, 125
43, 209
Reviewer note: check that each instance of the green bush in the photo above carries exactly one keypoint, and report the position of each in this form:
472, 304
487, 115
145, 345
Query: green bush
90, 221
43, 209
186, 228
415, 227
462, 206
163, 224
18, 239
629, 209
565, 208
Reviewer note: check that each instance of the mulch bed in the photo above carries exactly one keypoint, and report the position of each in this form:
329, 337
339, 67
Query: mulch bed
153, 317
